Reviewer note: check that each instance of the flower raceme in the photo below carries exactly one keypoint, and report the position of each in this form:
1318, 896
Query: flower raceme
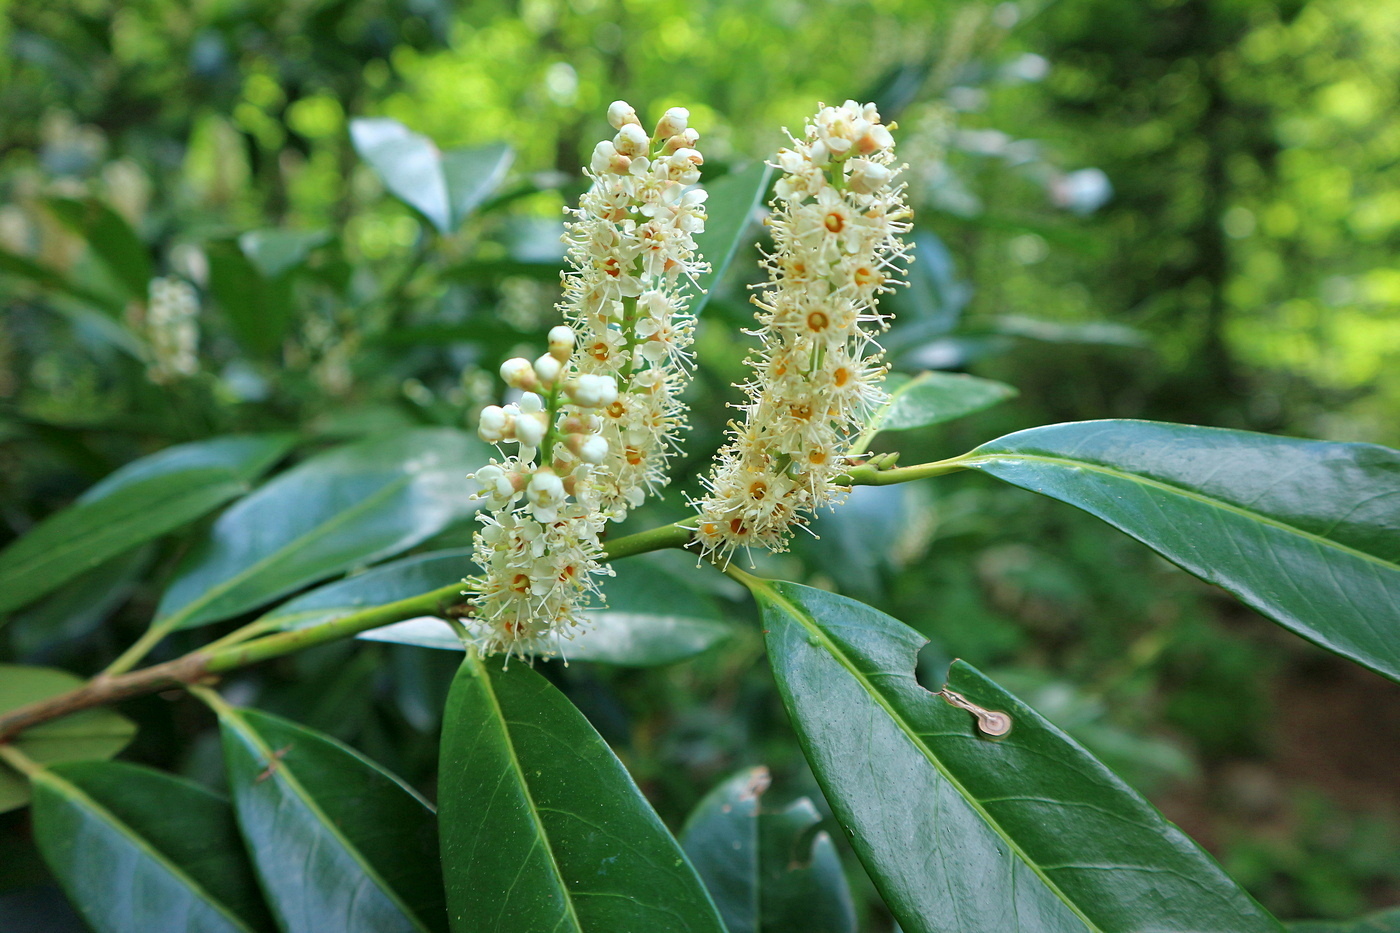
837, 220
631, 251
599, 413
538, 549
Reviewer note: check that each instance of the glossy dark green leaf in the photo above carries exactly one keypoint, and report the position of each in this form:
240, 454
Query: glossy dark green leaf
143, 500
729, 210
962, 832
259, 309
542, 827
933, 398
768, 872
244, 455
354, 505
137, 850
111, 238
274, 252
340, 844
95, 733
631, 631
444, 187
78, 609
1387, 921
1306, 532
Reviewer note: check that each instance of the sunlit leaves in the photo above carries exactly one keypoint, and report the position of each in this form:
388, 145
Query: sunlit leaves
445, 187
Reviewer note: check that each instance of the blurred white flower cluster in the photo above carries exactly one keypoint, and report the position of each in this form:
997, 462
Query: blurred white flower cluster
600, 411
172, 330
836, 223
631, 250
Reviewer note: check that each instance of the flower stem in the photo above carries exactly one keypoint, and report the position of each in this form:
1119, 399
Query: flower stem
203, 666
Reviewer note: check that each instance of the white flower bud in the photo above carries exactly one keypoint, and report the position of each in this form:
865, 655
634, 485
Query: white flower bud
547, 368
593, 391
495, 425
561, 342
590, 448
529, 430
868, 177
546, 494
632, 140
620, 114
674, 121
530, 403
603, 154
518, 373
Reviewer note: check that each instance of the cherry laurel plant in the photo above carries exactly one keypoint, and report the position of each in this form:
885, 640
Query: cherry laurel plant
970, 812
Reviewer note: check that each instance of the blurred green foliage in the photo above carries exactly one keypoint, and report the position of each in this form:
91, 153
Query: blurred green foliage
1182, 209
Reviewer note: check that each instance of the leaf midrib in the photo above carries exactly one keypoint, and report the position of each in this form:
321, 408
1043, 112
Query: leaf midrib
835, 651
1320, 540
282, 772
71, 790
177, 619
509, 745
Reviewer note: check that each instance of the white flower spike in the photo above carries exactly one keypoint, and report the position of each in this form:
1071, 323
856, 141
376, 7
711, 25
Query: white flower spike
836, 223
600, 411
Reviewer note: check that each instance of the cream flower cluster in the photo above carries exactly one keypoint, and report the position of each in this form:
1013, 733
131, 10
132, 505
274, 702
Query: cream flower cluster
172, 329
631, 247
836, 222
539, 551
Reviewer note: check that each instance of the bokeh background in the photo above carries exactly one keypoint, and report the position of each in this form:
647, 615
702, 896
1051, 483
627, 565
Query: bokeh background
1173, 209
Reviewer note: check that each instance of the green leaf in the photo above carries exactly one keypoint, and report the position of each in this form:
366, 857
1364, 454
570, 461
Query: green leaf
542, 827
141, 501
472, 176
354, 505
729, 208
630, 631
274, 252
93, 733
137, 850
24, 268
1305, 532
74, 611
768, 872
338, 842
245, 455
1387, 921
111, 238
933, 398
259, 309
960, 832
444, 187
